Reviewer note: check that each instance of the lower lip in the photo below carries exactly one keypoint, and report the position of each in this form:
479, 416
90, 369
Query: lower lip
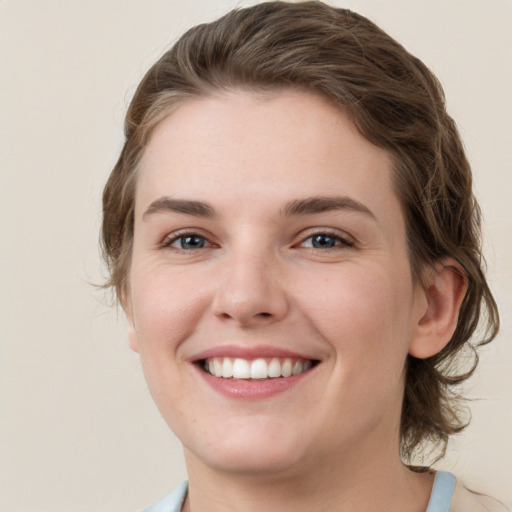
252, 389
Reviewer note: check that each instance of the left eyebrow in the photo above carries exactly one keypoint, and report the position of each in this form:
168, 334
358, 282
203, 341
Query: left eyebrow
320, 204
183, 206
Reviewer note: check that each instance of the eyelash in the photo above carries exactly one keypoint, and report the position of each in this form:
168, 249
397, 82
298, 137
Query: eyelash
169, 241
336, 237
338, 240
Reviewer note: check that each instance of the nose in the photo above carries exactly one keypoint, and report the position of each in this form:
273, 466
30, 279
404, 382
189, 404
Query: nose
250, 290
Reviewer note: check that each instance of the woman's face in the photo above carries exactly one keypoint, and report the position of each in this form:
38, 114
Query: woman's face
269, 239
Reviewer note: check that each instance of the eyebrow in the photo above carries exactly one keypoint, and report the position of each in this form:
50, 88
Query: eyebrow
306, 206
320, 204
168, 204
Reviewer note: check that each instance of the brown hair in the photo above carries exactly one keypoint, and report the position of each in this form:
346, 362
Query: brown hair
395, 102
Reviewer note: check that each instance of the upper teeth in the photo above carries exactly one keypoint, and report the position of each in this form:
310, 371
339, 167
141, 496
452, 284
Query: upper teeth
237, 368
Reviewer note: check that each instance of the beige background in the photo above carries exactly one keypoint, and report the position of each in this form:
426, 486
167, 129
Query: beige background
78, 429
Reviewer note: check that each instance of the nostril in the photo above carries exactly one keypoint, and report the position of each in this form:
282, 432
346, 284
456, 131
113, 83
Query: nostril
265, 314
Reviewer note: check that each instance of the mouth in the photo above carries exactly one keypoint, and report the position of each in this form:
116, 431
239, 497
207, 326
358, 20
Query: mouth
250, 373
255, 369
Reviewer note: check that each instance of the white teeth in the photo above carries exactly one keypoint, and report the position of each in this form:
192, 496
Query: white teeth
297, 368
241, 369
217, 366
227, 368
274, 368
261, 368
286, 368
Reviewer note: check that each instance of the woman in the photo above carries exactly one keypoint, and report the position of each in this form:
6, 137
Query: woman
291, 231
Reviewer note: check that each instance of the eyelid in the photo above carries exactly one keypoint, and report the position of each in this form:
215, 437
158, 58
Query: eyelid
170, 238
345, 239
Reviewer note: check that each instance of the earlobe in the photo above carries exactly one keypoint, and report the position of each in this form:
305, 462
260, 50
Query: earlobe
444, 289
132, 334
133, 341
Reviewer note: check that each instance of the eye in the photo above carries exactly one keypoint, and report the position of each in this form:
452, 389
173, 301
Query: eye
187, 242
325, 241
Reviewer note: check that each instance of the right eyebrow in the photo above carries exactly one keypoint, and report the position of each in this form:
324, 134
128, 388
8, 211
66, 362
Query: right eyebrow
184, 206
320, 204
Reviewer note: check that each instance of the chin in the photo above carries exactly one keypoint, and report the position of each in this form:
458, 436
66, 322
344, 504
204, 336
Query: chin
251, 463
267, 450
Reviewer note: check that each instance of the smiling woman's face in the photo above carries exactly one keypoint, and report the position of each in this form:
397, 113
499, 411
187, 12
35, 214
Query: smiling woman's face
269, 239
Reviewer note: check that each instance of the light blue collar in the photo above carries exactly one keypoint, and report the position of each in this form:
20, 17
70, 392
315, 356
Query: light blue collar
440, 498
172, 502
442, 492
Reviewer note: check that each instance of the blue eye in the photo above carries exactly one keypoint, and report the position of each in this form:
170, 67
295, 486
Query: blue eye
189, 242
325, 241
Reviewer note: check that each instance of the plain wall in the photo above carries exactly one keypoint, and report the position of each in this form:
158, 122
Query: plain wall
78, 429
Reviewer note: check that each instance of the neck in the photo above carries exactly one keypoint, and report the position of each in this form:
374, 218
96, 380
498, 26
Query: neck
348, 483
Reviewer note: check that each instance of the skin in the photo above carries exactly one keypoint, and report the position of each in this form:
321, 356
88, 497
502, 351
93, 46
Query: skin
331, 441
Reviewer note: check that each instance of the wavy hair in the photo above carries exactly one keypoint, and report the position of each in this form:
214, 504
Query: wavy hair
395, 102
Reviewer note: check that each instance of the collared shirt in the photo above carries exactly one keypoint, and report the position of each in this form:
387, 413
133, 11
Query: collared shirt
448, 495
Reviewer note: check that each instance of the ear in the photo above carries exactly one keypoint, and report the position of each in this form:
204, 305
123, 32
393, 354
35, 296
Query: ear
133, 341
444, 287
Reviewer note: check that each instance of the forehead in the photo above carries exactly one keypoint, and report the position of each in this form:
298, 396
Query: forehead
239, 145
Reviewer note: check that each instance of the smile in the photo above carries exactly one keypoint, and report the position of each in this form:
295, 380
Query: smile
256, 369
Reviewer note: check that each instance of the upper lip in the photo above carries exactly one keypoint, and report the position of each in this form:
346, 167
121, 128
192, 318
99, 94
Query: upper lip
248, 352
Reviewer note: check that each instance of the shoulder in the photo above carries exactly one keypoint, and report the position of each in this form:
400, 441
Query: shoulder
465, 500
172, 502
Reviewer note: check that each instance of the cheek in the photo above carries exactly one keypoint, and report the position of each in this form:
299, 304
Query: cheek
364, 313
165, 312
166, 308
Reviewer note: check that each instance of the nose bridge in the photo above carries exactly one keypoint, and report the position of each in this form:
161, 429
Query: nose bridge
250, 288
